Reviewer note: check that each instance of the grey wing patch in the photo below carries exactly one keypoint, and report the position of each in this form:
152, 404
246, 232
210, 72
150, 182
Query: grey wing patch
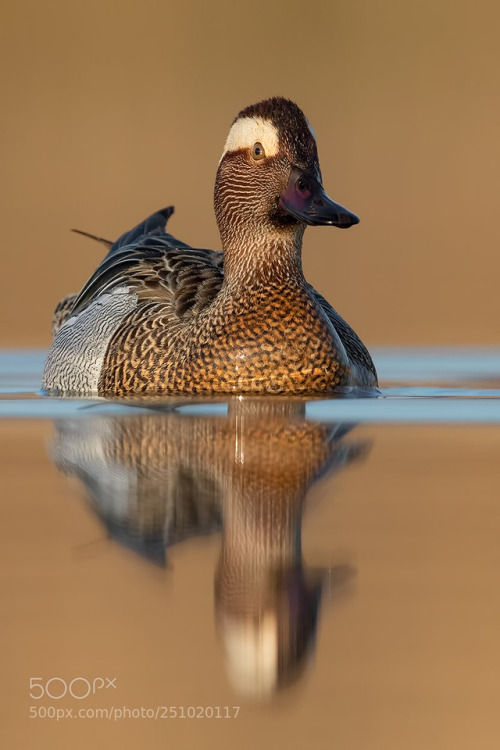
356, 350
76, 356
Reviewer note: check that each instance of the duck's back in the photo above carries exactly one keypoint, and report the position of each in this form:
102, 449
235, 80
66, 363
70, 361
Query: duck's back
146, 266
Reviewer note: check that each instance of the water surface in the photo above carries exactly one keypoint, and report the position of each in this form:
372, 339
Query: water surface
329, 567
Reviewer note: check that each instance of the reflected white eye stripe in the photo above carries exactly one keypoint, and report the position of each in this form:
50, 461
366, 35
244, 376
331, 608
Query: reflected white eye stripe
249, 130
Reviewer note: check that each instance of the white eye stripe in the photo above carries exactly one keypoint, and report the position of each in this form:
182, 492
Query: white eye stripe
311, 129
249, 130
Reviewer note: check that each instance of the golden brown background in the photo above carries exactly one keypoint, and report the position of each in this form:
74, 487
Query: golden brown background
112, 109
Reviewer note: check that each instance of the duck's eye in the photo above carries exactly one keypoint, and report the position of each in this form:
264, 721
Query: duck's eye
258, 152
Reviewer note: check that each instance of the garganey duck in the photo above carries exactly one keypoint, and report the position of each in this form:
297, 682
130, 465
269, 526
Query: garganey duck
160, 317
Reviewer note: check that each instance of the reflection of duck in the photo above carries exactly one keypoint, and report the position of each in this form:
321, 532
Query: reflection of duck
158, 478
140, 478
160, 317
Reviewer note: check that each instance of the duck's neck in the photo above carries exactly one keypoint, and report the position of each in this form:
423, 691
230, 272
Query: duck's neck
268, 258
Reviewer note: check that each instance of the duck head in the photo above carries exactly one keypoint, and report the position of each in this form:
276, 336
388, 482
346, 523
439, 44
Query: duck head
269, 176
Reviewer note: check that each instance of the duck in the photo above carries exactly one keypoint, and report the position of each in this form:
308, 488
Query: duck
159, 317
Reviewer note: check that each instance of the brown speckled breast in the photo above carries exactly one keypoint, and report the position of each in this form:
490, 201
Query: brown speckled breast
269, 340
